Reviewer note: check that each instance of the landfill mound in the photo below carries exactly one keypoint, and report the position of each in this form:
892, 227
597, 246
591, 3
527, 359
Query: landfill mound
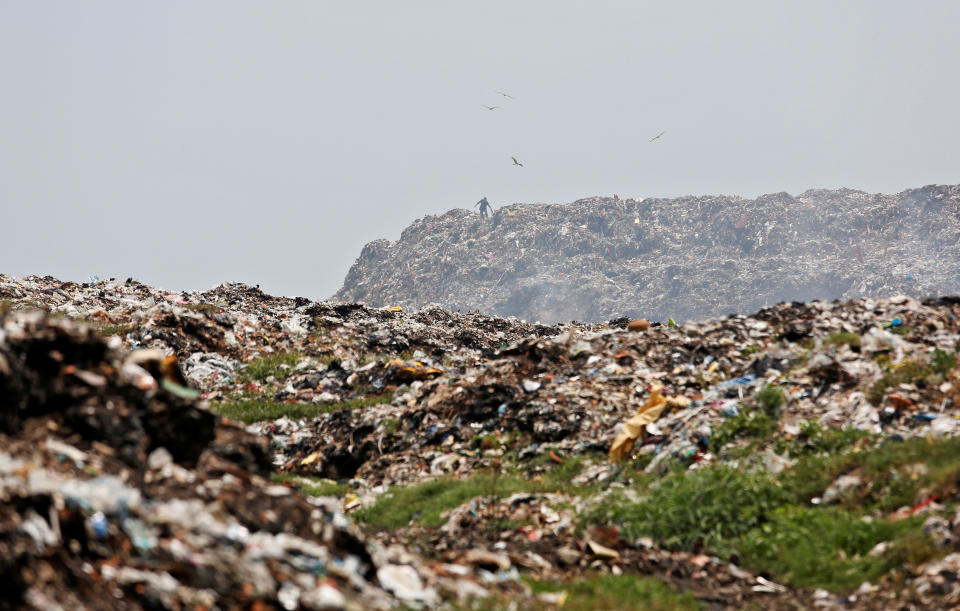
120, 492
227, 448
687, 258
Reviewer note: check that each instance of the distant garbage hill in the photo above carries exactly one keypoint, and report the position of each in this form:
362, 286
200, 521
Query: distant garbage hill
690, 257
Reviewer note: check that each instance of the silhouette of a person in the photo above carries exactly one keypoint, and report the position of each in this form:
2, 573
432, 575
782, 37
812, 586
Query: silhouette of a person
485, 207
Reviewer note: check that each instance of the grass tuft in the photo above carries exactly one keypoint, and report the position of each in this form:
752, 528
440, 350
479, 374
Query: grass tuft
313, 486
844, 337
943, 362
279, 365
425, 502
117, 330
257, 407
751, 424
609, 592
827, 547
907, 371
771, 399
767, 523
710, 507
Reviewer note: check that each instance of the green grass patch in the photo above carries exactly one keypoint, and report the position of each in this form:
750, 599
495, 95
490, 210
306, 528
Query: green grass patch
279, 365
828, 548
610, 592
770, 399
814, 440
907, 372
313, 486
251, 407
904, 474
710, 506
256, 407
942, 362
766, 521
117, 330
425, 502
750, 350
844, 337
390, 425
751, 424
359, 402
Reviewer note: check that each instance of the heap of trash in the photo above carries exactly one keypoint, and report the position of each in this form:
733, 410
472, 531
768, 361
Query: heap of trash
228, 448
687, 258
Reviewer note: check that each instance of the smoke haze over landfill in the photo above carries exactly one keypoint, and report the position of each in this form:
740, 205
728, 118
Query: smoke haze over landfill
189, 144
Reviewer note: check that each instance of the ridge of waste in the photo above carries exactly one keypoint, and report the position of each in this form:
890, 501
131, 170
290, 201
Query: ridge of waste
228, 448
688, 257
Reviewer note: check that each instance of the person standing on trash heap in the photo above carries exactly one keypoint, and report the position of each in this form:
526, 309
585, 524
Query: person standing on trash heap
484, 207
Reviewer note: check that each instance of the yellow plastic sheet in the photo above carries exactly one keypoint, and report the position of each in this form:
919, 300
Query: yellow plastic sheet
649, 412
408, 371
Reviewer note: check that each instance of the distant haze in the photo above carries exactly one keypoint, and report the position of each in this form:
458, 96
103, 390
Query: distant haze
190, 143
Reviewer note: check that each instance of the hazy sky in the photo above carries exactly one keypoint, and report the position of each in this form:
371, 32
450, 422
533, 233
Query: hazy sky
186, 143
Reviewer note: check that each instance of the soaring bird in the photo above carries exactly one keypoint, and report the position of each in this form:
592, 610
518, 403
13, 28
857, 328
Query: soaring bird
506, 95
657, 136
515, 162
490, 107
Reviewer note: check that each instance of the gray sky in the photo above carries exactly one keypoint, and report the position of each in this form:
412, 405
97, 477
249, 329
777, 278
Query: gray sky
188, 143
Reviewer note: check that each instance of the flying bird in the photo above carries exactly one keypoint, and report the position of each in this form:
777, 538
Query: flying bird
506, 95
657, 136
515, 162
490, 107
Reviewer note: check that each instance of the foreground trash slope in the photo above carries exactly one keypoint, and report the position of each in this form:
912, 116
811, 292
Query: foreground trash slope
687, 258
473, 453
120, 493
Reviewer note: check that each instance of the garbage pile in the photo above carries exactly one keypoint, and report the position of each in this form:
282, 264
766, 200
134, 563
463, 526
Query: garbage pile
228, 448
121, 490
570, 392
687, 258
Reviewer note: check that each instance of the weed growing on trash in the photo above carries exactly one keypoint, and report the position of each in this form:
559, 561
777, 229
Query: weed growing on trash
425, 503
314, 486
907, 473
751, 424
844, 338
827, 547
250, 407
390, 425
278, 365
908, 371
771, 399
814, 440
710, 507
943, 362
616, 592
766, 521
117, 330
